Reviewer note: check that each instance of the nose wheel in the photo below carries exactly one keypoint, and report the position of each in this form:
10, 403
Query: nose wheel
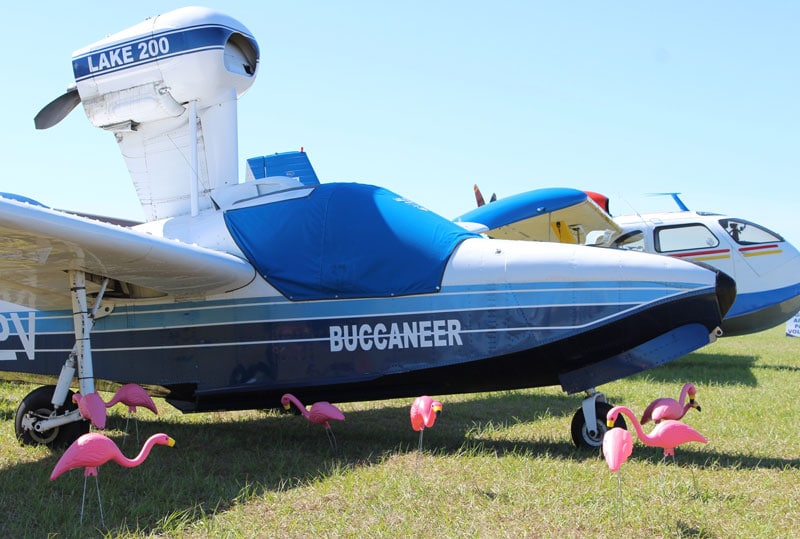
589, 433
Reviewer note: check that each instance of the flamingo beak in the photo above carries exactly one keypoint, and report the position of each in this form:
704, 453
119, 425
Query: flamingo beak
170, 441
610, 423
694, 404
437, 408
287, 406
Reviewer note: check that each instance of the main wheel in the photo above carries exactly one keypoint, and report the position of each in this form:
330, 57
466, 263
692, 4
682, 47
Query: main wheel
581, 435
37, 405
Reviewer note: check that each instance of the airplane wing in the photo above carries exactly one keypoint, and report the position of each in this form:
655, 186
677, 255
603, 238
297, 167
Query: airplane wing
553, 214
38, 245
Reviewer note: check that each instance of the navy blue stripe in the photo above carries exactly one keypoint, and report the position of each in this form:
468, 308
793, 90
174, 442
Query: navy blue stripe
150, 48
278, 309
274, 352
550, 321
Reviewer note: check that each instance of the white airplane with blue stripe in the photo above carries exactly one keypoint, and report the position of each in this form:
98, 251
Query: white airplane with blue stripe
233, 293
764, 265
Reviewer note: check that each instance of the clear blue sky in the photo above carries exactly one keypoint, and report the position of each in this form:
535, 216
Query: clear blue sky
427, 98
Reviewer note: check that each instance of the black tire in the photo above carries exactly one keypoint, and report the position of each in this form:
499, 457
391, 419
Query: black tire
37, 403
582, 438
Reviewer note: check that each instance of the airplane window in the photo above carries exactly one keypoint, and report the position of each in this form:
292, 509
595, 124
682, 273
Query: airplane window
630, 241
685, 237
747, 233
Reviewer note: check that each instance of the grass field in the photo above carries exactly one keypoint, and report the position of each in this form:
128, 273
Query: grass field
494, 465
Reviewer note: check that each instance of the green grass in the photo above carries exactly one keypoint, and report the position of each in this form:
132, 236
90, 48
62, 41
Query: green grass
494, 465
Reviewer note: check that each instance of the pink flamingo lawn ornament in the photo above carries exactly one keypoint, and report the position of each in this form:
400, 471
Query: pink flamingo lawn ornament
133, 395
668, 408
91, 407
320, 413
668, 434
617, 447
93, 449
424, 411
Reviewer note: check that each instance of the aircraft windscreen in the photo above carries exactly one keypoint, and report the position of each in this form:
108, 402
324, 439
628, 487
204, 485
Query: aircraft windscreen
630, 241
346, 240
747, 233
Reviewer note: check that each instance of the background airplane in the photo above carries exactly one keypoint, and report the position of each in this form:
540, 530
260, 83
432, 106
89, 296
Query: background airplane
558, 214
232, 293
765, 266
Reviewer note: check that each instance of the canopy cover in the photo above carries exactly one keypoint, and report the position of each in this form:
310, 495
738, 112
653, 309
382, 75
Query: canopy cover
346, 240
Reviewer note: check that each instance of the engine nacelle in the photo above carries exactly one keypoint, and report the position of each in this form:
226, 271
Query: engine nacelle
167, 89
149, 71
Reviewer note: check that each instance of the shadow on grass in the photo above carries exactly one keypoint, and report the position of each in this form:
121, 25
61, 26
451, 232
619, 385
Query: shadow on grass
687, 456
222, 459
216, 465
779, 368
704, 369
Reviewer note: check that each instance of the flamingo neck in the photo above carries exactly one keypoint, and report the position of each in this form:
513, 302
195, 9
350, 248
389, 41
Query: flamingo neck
684, 392
643, 437
114, 400
138, 459
300, 405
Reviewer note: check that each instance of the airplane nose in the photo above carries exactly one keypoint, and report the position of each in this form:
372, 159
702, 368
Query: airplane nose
725, 287
726, 292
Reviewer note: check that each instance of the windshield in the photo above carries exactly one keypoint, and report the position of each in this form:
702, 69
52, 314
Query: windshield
630, 241
747, 233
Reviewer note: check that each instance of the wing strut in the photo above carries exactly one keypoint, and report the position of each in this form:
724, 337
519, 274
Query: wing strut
81, 353
82, 320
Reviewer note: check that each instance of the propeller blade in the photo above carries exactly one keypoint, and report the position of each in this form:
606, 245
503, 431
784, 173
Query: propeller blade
478, 196
57, 109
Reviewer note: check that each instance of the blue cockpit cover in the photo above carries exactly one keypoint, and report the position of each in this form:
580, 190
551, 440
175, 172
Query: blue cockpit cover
346, 240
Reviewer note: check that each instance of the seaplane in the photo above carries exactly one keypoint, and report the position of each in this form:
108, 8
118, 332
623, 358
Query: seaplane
764, 265
233, 291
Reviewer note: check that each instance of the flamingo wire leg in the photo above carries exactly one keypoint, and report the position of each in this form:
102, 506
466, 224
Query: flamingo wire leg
420, 440
99, 501
331, 438
125, 439
694, 482
83, 499
136, 426
663, 464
